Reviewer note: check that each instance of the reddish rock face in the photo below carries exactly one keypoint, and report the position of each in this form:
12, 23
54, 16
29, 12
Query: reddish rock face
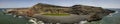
21, 12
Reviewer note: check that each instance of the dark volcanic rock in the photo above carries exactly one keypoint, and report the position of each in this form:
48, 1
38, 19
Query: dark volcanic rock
61, 19
97, 15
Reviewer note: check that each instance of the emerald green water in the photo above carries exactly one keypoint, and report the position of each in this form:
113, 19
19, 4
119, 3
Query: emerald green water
9, 19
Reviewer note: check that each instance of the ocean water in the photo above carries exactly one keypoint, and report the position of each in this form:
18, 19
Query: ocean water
9, 19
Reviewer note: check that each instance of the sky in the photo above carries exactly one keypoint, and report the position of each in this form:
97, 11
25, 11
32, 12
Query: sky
30, 3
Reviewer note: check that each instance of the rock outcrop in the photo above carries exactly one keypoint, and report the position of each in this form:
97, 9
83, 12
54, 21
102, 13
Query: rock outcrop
77, 13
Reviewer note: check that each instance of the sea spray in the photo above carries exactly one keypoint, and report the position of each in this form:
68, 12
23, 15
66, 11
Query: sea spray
111, 14
34, 21
83, 22
40, 22
20, 16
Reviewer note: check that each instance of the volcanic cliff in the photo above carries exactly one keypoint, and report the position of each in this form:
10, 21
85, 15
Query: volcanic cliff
77, 13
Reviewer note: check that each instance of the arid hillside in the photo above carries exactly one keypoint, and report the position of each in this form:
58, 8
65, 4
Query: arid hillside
42, 9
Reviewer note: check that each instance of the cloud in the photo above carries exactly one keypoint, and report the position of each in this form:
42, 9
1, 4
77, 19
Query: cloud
111, 5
